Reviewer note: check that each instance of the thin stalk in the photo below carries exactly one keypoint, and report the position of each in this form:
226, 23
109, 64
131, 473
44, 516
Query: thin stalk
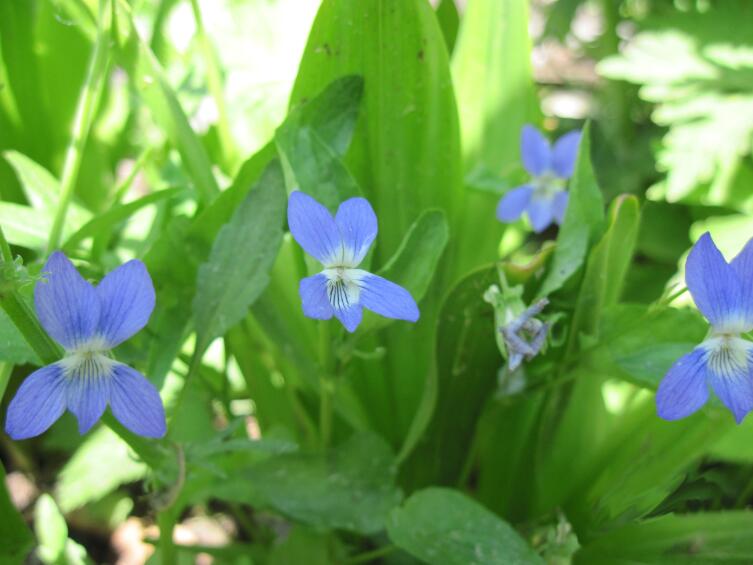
5, 248
85, 111
168, 552
120, 190
326, 386
5, 371
214, 83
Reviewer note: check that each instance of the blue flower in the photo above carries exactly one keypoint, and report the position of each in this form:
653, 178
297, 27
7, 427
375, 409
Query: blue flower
88, 322
723, 293
544, 197
340, 244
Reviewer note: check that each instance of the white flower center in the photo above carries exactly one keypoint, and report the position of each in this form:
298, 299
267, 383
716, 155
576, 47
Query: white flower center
547, 185
727, 354
89, 360
343, 286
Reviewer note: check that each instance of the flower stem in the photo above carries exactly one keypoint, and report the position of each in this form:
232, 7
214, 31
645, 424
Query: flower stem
5, 248
370, 556
5, 371
85, 111
166, 523
326, 386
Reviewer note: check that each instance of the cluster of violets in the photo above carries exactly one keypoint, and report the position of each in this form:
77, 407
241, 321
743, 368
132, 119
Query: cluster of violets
88, 321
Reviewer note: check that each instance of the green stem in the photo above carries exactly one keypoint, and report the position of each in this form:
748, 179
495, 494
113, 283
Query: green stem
5, 248
5, 371
22, 317
85, 111
166, 523
214, 83
326, 386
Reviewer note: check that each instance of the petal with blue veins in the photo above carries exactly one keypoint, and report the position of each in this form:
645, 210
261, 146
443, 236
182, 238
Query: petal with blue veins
313, 291
514, 203
314, 228
66, 304
387, 298
715, 287
136, 403
126, 297
559, 206
350, 316
565, 153
358, 227
535, 151
39, 402
541, 213
684, 388
735, 390
87, 397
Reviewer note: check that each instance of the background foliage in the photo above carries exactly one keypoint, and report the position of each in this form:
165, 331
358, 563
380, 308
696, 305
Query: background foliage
172, 130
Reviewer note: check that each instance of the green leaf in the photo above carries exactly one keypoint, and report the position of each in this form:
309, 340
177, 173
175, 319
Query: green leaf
315, 136
641, 345
607, 266
351, 488
583, 219
242, 255
493, 79
706, 537
449, 22
51, 529
17, 539
414, 264
40, 186
100, 465
444, 527
13, 347
409, 121
42, 189
24, 226
152, 85
467, 360
643, 460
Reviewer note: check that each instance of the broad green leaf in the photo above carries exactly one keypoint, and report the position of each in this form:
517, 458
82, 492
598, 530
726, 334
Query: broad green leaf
583, 219
16, 537
119, 213
315, 136
444, 527
405, 156
351, 488
409, 121
491, 71
242, 255
99, 466
152, 85
640, 345
467, 360
51, 530
737, 445
304, 545
13, 347
706, 537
